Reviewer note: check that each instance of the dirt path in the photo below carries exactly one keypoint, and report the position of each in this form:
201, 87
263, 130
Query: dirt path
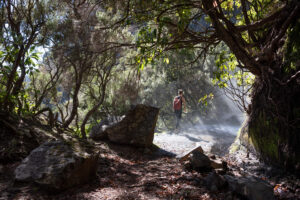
213, 138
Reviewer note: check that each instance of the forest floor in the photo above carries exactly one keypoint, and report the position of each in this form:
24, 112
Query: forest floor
126, 172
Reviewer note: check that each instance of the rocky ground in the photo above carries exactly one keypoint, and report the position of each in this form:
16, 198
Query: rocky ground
216, 139
285, 185
125, 172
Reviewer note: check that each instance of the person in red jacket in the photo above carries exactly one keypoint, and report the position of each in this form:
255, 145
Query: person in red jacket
178, 103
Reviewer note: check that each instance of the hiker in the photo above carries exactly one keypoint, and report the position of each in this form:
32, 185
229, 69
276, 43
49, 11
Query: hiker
178, 102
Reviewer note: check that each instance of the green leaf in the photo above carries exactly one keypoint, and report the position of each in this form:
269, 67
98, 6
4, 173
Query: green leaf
32, 48
166, 60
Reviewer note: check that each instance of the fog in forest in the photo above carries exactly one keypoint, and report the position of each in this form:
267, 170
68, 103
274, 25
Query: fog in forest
214, 132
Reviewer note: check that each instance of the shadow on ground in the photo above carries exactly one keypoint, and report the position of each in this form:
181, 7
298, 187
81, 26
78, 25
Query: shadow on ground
125, 172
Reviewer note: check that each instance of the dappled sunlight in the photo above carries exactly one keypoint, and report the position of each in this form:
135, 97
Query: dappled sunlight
149, 99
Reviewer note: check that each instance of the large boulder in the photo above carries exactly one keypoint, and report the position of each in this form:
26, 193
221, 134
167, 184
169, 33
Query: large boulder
100, 131
136, 128
250, 187
56, 165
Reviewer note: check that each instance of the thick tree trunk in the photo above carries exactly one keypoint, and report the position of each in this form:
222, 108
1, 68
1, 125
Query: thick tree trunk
274, 122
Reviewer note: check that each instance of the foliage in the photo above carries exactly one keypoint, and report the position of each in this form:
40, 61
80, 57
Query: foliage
236, 82
199, 25
23, 28
244, 26
292, 51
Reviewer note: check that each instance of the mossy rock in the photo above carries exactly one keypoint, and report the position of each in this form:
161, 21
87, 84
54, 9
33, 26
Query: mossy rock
275, 144
243, 141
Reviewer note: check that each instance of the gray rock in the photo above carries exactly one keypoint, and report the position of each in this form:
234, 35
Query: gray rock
57, 166
99, 132
186, 156
250, 187
136, 128
199, 160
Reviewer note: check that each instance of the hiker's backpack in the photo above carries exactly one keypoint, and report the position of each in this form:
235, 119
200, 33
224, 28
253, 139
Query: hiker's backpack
177, 103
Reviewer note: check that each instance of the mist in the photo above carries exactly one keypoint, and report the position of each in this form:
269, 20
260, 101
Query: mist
214, 132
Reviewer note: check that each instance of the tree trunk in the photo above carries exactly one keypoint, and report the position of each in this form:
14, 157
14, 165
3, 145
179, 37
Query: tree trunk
274, 122
94, 109
86, 118
74, 107
79, 76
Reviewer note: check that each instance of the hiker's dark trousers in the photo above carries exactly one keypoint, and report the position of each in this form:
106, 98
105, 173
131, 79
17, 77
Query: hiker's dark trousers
178, 114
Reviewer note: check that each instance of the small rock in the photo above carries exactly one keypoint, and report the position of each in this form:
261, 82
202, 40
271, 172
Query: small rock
199, 161
186, 156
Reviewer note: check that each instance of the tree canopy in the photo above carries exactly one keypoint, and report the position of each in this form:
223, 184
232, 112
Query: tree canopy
253, 30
